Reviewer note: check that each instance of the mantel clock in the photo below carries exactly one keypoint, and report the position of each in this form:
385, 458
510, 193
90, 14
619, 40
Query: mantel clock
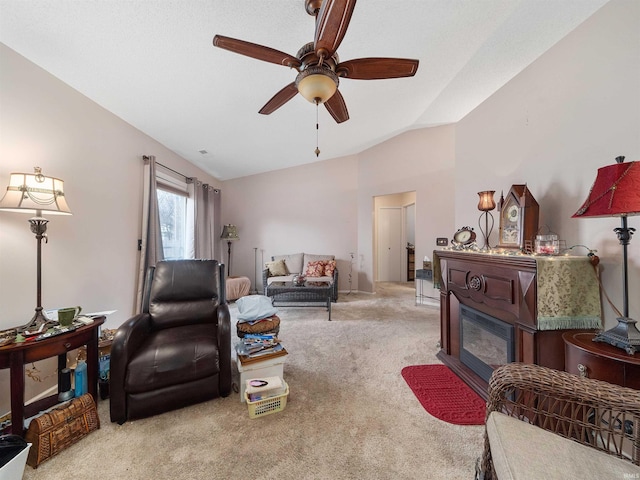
518, 218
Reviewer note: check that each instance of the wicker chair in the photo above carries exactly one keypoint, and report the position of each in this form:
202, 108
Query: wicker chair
566, 405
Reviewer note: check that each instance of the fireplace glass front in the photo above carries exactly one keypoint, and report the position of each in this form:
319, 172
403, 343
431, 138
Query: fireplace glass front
486, 342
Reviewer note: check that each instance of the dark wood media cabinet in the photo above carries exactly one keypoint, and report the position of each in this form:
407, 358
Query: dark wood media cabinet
504, 287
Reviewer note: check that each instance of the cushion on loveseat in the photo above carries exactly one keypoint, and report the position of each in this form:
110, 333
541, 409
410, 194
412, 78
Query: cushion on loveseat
315, 269
520, 450
314, 258
293, 262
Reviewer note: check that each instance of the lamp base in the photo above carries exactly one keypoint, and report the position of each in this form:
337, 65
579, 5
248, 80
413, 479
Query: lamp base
486, 232
625, 335
38, 324
64, 396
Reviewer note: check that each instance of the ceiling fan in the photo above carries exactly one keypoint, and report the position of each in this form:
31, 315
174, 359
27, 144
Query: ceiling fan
317, 62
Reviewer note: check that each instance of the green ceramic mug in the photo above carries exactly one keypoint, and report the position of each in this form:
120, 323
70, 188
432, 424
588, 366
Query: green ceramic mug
66, 315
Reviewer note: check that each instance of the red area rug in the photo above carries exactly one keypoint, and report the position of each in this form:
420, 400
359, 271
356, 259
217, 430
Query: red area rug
444, 395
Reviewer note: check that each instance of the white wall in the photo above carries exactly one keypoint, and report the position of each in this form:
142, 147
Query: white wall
308, 209
91, 257
328, 207
572, 111
422, 161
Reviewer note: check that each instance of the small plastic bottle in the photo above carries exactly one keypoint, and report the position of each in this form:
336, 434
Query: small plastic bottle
81, 378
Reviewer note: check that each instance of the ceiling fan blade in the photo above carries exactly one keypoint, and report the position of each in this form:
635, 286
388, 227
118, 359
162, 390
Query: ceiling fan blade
337, 107
331, 25
377, 68
256, 51
279, 99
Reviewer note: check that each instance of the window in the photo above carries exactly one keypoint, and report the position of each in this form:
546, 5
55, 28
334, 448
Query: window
172, 209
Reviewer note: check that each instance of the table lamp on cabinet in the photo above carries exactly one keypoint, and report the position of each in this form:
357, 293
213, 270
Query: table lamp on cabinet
36, 194
486, 203
616, 193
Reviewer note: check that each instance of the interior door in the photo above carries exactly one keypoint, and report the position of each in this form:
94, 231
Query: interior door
389, 236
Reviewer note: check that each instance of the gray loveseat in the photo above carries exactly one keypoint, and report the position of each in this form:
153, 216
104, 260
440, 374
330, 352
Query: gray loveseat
296, 264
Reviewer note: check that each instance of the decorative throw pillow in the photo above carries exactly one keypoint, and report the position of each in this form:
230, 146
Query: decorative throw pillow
329, 268
277, 268
315, 269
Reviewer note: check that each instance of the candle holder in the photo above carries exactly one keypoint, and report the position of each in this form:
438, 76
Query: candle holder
485, 205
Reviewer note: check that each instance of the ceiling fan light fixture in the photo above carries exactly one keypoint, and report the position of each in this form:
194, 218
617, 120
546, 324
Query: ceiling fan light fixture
317, 62
317, 84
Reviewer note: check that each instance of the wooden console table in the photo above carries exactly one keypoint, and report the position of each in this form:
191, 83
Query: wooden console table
601, 361
519, 291
16, 355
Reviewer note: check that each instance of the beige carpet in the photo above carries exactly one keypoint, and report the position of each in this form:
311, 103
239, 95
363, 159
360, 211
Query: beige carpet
349, 415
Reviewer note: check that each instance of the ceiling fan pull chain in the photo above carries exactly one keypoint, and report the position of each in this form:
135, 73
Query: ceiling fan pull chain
317, 128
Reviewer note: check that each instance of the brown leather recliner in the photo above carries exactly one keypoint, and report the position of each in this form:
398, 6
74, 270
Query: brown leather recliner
177, 352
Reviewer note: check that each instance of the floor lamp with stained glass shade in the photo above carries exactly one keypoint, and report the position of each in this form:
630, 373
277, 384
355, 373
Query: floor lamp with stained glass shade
616, 193
36, 194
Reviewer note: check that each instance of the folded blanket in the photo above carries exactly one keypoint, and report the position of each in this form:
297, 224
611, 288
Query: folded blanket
255, 307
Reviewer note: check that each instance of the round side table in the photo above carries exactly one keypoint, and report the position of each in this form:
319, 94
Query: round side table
599, 360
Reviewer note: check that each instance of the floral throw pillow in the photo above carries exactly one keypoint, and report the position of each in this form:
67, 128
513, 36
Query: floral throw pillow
315, 269
329, 268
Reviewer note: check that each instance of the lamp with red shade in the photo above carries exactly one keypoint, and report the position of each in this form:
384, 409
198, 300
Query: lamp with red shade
616, 193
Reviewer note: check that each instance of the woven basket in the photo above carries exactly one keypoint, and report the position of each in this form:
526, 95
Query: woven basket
52, 432
267, 406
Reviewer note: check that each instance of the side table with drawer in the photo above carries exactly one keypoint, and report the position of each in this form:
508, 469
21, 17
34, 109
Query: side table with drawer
601, 361
16, 355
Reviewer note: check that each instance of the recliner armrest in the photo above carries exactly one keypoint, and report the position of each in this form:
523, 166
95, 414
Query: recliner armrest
128, 338
224, 346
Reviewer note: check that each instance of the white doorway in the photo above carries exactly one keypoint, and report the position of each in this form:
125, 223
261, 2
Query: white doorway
389, 235
393, 230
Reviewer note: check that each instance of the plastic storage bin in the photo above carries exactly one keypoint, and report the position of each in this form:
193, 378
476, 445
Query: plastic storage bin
14, 469
260, 408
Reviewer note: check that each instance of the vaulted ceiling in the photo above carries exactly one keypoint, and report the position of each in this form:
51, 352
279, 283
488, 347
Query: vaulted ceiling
152, 63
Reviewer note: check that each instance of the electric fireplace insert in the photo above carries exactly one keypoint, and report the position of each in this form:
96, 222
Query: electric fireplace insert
485, 342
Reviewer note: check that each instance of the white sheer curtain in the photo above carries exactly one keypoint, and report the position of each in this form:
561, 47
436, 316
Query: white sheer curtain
206, 212
151, 240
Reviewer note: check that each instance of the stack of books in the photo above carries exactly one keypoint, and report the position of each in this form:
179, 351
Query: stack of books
257, 347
